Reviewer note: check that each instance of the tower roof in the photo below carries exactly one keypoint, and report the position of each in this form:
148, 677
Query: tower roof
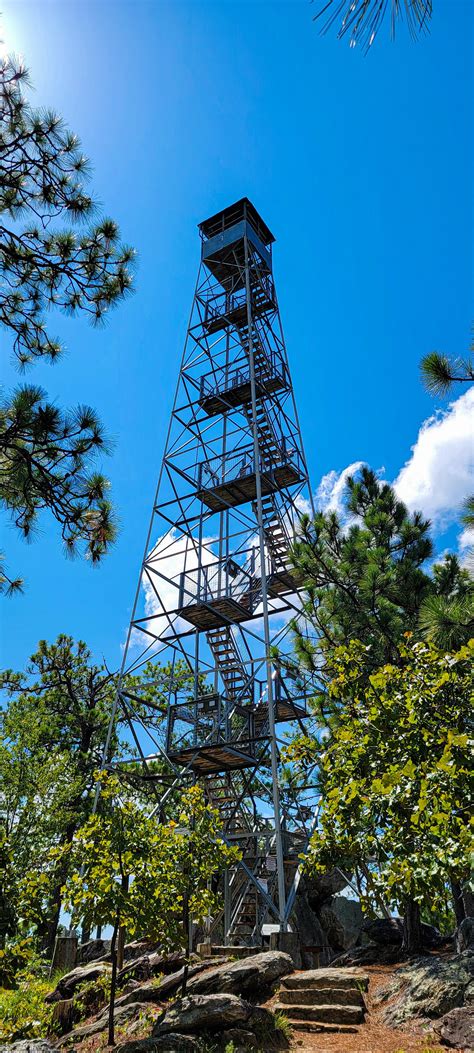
227, 217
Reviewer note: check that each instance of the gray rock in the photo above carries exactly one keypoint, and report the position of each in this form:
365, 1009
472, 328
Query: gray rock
456, 1029
28, 1045
92, 950
464, 938
212, 1012
168, 986
342, 920
312, 937
323, 886
427, 987
82, 975
386, 931
250, 975
166, 1044
121, 1015
322, 979
371, 954
147, 965
240, 1038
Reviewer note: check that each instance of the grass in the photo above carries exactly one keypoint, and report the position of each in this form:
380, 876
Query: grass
283, 1024
23, 1012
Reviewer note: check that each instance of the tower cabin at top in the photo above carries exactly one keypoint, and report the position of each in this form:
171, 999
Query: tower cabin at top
223, 242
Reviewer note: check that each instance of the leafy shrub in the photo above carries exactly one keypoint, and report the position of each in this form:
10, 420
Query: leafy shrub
93, 995
16, 956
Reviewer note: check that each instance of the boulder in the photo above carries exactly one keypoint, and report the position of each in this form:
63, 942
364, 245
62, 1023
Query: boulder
136, 969
67, 985
456, 1029
160, 992
427, 988
385, 931
152, 964
240, 1038
249, 975
121, 1015
28, 1045
92, 950
342, 921
371, 954
322, 886
464, 938
312, 937
166, 1044
197, 1012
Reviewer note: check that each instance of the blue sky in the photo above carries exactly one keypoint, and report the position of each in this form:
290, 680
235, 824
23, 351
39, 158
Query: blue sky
361, 166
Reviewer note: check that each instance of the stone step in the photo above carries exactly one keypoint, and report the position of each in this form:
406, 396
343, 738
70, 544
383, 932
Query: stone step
322, 1014
343, 979
323, 1029
322, 996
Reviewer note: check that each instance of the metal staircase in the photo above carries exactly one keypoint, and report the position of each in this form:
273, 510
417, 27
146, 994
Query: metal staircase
229, 661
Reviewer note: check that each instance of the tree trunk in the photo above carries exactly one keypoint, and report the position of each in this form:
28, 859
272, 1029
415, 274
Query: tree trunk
122, 930
120, 947
113, 982
186, 943
412, 927
458, 902
85, 934
47, 931
468, 901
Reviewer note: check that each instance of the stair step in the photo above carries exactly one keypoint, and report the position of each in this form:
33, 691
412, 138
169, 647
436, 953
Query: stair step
322, 996
323, 1029
322, 1014
344, 979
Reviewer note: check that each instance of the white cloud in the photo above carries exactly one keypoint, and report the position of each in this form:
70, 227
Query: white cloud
171, 554
466, 548
329, 496
438, 475
436, 478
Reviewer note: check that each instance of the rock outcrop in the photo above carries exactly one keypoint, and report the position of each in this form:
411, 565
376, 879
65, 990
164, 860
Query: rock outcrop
464, 937
249, 976
389, 931
209, 1013
456, 1029
77, 978
428, 988
28, 1045
92, 951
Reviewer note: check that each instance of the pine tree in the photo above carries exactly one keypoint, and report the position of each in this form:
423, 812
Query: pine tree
363, 574
362, 19
45, 453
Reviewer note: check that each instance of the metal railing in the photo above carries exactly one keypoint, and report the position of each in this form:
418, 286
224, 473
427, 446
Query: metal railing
230, 467
268, 367
209, 721
225, 579
225, 303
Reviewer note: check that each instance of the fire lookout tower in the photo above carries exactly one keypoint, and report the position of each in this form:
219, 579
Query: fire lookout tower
217, 589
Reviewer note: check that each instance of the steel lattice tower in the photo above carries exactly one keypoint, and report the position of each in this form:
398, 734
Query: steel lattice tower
217, 590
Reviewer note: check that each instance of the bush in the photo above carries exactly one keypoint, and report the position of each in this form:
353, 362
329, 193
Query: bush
16, 956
